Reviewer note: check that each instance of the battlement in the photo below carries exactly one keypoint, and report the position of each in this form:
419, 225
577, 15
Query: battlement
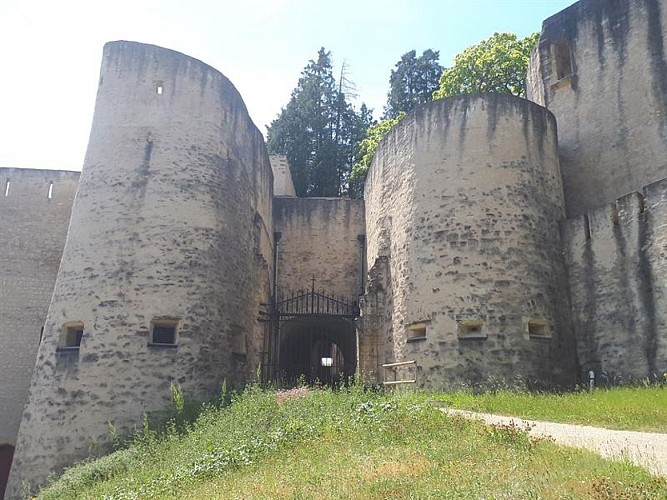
625, 209
23, 186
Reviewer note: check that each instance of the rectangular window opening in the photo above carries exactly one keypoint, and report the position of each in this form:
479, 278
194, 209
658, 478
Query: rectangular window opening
471, 329
159, 88
326, 361
163, 332
538, 328
71, 335
50, 195
416, 331
238, 340
563, 59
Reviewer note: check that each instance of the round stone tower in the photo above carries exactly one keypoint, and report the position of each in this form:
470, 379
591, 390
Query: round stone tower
166, 262
466, 272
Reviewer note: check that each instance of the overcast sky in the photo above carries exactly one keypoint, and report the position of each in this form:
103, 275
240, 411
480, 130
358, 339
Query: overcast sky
51, 50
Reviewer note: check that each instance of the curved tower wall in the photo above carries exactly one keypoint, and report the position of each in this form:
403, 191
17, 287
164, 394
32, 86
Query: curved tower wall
466, 273
171, 222
601, 68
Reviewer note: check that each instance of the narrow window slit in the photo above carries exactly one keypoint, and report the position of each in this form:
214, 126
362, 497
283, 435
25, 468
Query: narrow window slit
50, 190
7, 188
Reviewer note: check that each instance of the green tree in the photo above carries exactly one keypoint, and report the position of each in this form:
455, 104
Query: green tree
367, 148
412, 82
319, 131
497, 64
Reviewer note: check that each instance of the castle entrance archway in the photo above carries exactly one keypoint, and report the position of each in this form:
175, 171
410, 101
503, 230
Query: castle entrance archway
317, 349
314, 338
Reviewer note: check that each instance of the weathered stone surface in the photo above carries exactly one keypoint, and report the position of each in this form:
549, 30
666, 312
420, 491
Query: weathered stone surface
464, 199
283, 185
616, 260
610, 101
320, 240
466, 272
33, 228
171, 220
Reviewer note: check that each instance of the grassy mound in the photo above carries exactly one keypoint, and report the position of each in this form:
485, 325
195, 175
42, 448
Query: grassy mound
624, 408
346, 444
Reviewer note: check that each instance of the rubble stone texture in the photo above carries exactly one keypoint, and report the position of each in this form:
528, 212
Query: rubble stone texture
499, 240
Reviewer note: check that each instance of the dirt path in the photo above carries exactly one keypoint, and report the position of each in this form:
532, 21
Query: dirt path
646, 449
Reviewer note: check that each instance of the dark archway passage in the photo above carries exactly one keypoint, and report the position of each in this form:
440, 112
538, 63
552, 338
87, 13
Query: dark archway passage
6, 455
317, 349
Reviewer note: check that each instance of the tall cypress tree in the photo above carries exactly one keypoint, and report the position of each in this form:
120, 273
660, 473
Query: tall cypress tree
412, 82
318, 130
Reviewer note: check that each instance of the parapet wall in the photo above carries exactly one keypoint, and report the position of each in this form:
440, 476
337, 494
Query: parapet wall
617, 261
463, 202
171, 231
601, 69
35, 207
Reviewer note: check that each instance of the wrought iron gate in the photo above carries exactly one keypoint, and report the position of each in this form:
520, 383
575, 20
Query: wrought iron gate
312, 336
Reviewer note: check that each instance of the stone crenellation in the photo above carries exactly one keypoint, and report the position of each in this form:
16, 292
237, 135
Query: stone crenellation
496, 242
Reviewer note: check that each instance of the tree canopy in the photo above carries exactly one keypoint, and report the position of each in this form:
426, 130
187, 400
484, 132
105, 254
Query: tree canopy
367, 148
319, 131
497, 64
412, 82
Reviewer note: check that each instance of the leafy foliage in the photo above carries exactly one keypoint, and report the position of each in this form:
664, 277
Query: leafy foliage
412, 82
497, 64
319, 131
367, 148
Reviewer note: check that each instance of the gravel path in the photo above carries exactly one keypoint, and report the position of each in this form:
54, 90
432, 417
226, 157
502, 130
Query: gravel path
646, 449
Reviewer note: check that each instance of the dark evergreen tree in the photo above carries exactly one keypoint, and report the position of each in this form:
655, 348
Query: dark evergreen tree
319, 132
412, 82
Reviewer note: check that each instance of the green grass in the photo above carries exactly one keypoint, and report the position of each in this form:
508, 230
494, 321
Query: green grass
347, 444
639, 409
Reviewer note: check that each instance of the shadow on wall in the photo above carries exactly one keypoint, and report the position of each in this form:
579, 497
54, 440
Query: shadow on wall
6, 455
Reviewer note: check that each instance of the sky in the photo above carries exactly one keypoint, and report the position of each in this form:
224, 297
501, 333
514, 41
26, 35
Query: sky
50, 51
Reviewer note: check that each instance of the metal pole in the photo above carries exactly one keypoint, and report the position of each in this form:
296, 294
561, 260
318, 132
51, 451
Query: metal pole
362, 246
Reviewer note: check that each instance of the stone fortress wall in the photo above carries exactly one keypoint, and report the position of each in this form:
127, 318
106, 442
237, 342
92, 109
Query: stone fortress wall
35, 207
617, 262
319, 238
169, 237
601, 69
464, 197
473, 269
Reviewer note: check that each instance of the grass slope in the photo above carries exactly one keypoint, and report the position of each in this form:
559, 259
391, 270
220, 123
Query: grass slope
637, 409
347, 444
